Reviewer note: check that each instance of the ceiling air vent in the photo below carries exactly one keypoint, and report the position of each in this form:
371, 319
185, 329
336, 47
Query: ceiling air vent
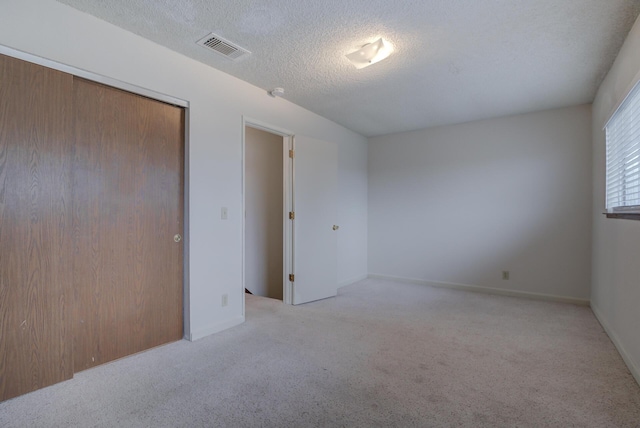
222, 47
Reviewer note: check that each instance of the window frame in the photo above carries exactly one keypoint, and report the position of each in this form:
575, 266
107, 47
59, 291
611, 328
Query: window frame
627, 212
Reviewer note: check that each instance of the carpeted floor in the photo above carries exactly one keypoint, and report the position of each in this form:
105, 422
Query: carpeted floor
381, 354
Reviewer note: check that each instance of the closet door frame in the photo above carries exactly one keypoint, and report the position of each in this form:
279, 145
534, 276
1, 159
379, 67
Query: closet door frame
118, 84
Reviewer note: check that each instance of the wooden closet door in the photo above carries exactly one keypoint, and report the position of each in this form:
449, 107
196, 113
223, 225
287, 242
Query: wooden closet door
128, 204
35, 227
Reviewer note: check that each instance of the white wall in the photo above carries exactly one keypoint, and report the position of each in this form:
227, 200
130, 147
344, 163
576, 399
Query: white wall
264, 213
459, 204
352, 196
217, 103
615, 290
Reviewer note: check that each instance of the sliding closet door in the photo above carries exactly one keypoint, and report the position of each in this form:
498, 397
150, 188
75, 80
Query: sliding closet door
127, 219
35, 224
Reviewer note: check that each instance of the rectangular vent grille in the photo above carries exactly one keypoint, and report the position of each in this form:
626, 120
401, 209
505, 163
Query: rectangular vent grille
222, 47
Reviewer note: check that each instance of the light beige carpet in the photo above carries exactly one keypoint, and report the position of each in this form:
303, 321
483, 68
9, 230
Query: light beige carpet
380, 354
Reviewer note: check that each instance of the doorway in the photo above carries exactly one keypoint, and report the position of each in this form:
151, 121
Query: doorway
264, 209
306, 237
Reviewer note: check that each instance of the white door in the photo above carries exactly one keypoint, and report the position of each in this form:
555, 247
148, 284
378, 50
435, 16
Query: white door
315, 261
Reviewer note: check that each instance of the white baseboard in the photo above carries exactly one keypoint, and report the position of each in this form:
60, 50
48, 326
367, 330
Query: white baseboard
488, 290
353, 280
634, 367
216, 328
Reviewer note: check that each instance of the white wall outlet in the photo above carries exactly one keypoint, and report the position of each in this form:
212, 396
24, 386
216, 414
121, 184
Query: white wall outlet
224, 213
505, 275
225, 300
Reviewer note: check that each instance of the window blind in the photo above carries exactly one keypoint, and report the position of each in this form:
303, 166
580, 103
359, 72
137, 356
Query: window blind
623, 155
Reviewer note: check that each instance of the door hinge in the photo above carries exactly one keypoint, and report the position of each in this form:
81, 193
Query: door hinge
291, 277
292, 215
291, 154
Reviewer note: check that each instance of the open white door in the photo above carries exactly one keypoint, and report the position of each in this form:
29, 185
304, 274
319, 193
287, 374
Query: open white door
315, 205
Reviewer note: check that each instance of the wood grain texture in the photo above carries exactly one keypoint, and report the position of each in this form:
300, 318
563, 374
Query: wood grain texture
35, 225
128, 205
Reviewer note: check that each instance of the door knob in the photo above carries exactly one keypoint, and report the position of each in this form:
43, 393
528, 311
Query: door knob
177, 237
336, 227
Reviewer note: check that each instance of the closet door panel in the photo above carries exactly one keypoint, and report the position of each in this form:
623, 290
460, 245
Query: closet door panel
128, 204
36, 138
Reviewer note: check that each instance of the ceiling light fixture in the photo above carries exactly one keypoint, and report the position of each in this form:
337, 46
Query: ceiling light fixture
370, 53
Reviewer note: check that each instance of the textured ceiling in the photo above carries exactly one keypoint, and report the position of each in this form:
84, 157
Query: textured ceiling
454, 60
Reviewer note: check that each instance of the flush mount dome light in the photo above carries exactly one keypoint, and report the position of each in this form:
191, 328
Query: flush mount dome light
370, 54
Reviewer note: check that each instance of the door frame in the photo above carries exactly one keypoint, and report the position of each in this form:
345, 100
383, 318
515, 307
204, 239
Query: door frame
287, 189
158, 96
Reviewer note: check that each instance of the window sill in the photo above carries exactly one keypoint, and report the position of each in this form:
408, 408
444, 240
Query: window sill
623, 216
